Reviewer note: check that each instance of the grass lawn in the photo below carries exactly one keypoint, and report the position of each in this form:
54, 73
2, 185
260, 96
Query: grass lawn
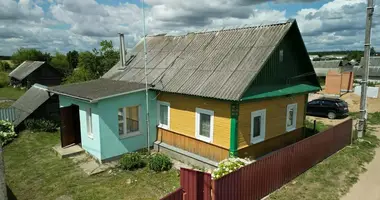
6, 104
33, 171
333, 177
11, 93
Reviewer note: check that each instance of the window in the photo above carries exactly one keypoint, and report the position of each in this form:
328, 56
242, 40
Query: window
163, 109
258, 126
89, 123
281, 56
128, 119
204, 124
291, 117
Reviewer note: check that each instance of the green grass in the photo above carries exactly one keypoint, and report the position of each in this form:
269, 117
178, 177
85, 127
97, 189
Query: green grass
373, 118
333, 177
319, 127
11, 93
33, 171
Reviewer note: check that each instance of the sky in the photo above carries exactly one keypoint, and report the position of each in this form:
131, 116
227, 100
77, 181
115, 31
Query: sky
64, 25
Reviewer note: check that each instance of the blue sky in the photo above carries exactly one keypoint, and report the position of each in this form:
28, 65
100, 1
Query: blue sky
63, 25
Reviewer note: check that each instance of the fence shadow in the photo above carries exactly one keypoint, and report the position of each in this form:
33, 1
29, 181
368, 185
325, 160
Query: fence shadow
11, 195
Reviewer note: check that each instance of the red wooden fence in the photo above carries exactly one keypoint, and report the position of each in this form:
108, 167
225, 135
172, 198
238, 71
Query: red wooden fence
264, 176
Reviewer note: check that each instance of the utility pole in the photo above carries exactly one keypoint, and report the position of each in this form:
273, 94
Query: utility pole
367, 49
3, 185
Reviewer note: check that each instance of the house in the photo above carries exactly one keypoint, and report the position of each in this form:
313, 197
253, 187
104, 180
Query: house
374, 69
323, 66
36, 103
314, 57
334, 57
31, 72
236, 92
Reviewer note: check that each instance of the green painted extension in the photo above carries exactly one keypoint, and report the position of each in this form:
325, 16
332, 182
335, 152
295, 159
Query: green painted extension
234, 131
282, 91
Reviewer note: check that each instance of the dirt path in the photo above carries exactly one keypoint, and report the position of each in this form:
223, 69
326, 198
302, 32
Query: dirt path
368, 186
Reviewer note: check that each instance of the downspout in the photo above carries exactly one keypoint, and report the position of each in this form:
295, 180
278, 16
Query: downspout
234, 129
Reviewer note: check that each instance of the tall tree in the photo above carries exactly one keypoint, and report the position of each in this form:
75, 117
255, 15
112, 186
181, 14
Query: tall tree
23, 54
59, 61
72, 58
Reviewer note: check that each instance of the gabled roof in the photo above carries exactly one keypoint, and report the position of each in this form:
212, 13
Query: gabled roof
97, 89
25, 68
327, 64
29, 102
373, 61
217, 64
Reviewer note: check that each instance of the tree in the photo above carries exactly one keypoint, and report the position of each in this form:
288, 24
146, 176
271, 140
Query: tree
72, 58
29, 54
59, 61
372, 52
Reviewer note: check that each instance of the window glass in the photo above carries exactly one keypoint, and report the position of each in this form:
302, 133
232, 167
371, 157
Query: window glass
204, 125
89, 122
164, 114
120, 118
281, 55
290, 117
256, 126
132, 119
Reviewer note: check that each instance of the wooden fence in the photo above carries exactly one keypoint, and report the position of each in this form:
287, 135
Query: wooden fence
264, 176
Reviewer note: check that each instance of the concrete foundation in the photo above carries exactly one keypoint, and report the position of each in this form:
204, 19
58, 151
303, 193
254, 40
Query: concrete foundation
184, 156
68, 151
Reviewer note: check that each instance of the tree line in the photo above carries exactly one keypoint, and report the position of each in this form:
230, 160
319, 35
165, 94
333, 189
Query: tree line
356, 54
76, 66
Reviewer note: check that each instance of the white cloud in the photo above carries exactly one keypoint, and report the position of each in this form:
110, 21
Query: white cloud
82, 24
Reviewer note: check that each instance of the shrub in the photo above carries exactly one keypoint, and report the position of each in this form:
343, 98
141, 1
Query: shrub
159, 162
7, 132
4, 79
41, 125
4, 66
132, 161
227, 166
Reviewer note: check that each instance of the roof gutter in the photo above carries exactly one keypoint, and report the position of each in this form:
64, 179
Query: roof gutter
68, 95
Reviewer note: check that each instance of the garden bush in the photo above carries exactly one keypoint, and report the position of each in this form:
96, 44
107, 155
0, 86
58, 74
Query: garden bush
4, 79
132, 161
159, 162
41, 125
227, 166
7, 132
4, 66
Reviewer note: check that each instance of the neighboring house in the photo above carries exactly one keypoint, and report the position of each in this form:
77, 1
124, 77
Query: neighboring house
31, 72
36, 103
314, 57
374, 69
322, 67
239, 92
334, 57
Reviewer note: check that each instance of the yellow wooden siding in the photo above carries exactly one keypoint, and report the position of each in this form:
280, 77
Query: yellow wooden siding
192, 145
275, 117
182, 115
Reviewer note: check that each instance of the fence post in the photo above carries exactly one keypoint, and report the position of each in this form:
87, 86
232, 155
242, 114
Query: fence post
314, 126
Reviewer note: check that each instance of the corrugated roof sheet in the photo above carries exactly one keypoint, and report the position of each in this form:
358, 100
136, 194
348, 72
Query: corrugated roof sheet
216, 64
373, 61
373, 71
25, 68
29, 102
327, 64
96, 89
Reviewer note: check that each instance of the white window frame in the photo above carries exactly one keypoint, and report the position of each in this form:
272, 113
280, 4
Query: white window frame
261, 137
131, 134
90, 132
164, 126
292, 127
198, 111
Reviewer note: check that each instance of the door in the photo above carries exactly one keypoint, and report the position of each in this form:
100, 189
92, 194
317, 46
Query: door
70, 126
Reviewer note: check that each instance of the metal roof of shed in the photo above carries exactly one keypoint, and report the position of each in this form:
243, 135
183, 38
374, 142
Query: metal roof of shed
29, 102
373, 61
25, 68
217, 64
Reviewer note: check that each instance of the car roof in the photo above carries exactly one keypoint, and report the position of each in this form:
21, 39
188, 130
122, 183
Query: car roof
329, 99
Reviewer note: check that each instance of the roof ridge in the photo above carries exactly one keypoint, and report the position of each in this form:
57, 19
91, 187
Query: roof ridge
223, 29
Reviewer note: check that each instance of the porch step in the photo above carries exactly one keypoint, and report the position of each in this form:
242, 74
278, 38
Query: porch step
68, 151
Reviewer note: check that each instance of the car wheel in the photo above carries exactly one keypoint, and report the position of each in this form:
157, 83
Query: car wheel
331, 115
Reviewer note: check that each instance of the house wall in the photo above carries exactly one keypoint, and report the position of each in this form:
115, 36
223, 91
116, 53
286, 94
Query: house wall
45, 75
91, 145
182, 116
276, 109
111, 144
